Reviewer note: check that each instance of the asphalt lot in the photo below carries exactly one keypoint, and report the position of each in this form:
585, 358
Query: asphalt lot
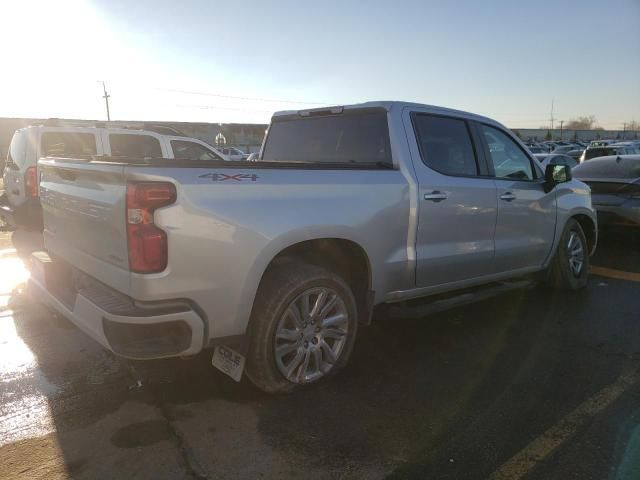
532, 384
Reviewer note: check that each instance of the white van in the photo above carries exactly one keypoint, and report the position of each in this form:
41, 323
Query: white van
20, 206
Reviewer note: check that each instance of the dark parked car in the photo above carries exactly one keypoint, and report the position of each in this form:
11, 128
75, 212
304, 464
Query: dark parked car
615, 188
565, 148
536, 148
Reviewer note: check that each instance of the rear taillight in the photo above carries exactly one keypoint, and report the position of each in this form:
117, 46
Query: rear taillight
31, 182
147, 243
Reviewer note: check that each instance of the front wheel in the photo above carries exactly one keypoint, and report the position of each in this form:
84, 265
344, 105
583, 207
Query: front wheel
569, 268
302, 329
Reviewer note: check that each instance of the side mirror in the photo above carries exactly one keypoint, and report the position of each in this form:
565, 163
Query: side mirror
555, 174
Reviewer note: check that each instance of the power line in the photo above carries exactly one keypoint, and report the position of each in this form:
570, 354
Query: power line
233, 97
214, 107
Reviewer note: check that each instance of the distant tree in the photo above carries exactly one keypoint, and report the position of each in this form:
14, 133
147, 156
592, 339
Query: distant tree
548, 135
582, 123
517, 133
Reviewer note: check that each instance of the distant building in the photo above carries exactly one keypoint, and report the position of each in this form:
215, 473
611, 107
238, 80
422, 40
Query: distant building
542, 134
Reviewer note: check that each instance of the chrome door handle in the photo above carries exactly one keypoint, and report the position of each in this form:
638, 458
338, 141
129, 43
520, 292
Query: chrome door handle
507, 197
436, 196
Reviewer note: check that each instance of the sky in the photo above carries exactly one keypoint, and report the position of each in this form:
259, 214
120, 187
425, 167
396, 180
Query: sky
239, 61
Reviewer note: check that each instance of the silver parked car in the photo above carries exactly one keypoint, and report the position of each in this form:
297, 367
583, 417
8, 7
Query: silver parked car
276, 262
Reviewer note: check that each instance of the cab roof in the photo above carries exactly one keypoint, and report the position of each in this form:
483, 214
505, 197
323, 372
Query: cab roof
389, 106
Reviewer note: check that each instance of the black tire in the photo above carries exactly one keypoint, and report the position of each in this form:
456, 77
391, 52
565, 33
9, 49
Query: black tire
560, 274
279, 288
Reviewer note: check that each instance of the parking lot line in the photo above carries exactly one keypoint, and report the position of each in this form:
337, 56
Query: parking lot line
523, 462
617, 274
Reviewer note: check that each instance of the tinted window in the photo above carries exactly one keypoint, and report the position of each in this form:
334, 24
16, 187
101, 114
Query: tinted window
18, 149
192, 151
69, 144
625, 167
508, 160
599, 152
127, 145
347, 138
445, 145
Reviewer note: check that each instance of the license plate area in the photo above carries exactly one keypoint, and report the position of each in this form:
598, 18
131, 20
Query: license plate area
228, 361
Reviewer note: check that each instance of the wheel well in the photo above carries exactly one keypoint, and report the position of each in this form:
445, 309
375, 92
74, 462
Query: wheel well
589, 229
344, 257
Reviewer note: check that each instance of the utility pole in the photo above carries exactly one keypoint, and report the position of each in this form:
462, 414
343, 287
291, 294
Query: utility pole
106, 100
552, 119
561, 123
624, 130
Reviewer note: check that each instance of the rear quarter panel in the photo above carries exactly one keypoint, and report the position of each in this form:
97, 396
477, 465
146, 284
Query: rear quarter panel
225, 229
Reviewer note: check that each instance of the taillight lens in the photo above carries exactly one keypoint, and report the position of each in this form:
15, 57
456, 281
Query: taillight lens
147, 243
31, 182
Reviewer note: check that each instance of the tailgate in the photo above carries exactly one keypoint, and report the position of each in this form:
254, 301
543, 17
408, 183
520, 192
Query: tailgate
84, 212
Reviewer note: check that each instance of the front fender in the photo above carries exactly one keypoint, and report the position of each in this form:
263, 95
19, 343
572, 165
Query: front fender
573, 199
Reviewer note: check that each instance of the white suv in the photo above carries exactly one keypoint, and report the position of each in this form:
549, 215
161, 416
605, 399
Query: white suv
20, 206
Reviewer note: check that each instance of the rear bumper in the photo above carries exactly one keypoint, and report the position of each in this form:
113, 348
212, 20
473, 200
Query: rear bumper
128, 328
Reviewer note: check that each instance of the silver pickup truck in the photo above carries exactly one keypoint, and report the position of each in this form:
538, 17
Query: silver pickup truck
274, 263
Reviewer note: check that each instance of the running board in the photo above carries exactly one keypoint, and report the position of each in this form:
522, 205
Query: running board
426, 307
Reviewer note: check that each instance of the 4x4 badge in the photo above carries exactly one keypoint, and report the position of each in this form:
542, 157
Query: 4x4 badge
222, 177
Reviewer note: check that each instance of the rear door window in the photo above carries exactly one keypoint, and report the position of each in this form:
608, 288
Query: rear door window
445, 145
67, 144
133, 145
192, 151
355, 137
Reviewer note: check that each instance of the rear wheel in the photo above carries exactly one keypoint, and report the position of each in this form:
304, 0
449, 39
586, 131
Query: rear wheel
302, 329
569, 268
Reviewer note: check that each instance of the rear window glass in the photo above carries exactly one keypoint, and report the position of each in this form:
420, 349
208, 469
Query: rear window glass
67, 144
599, 152
625, 167
130, 145
353, 138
